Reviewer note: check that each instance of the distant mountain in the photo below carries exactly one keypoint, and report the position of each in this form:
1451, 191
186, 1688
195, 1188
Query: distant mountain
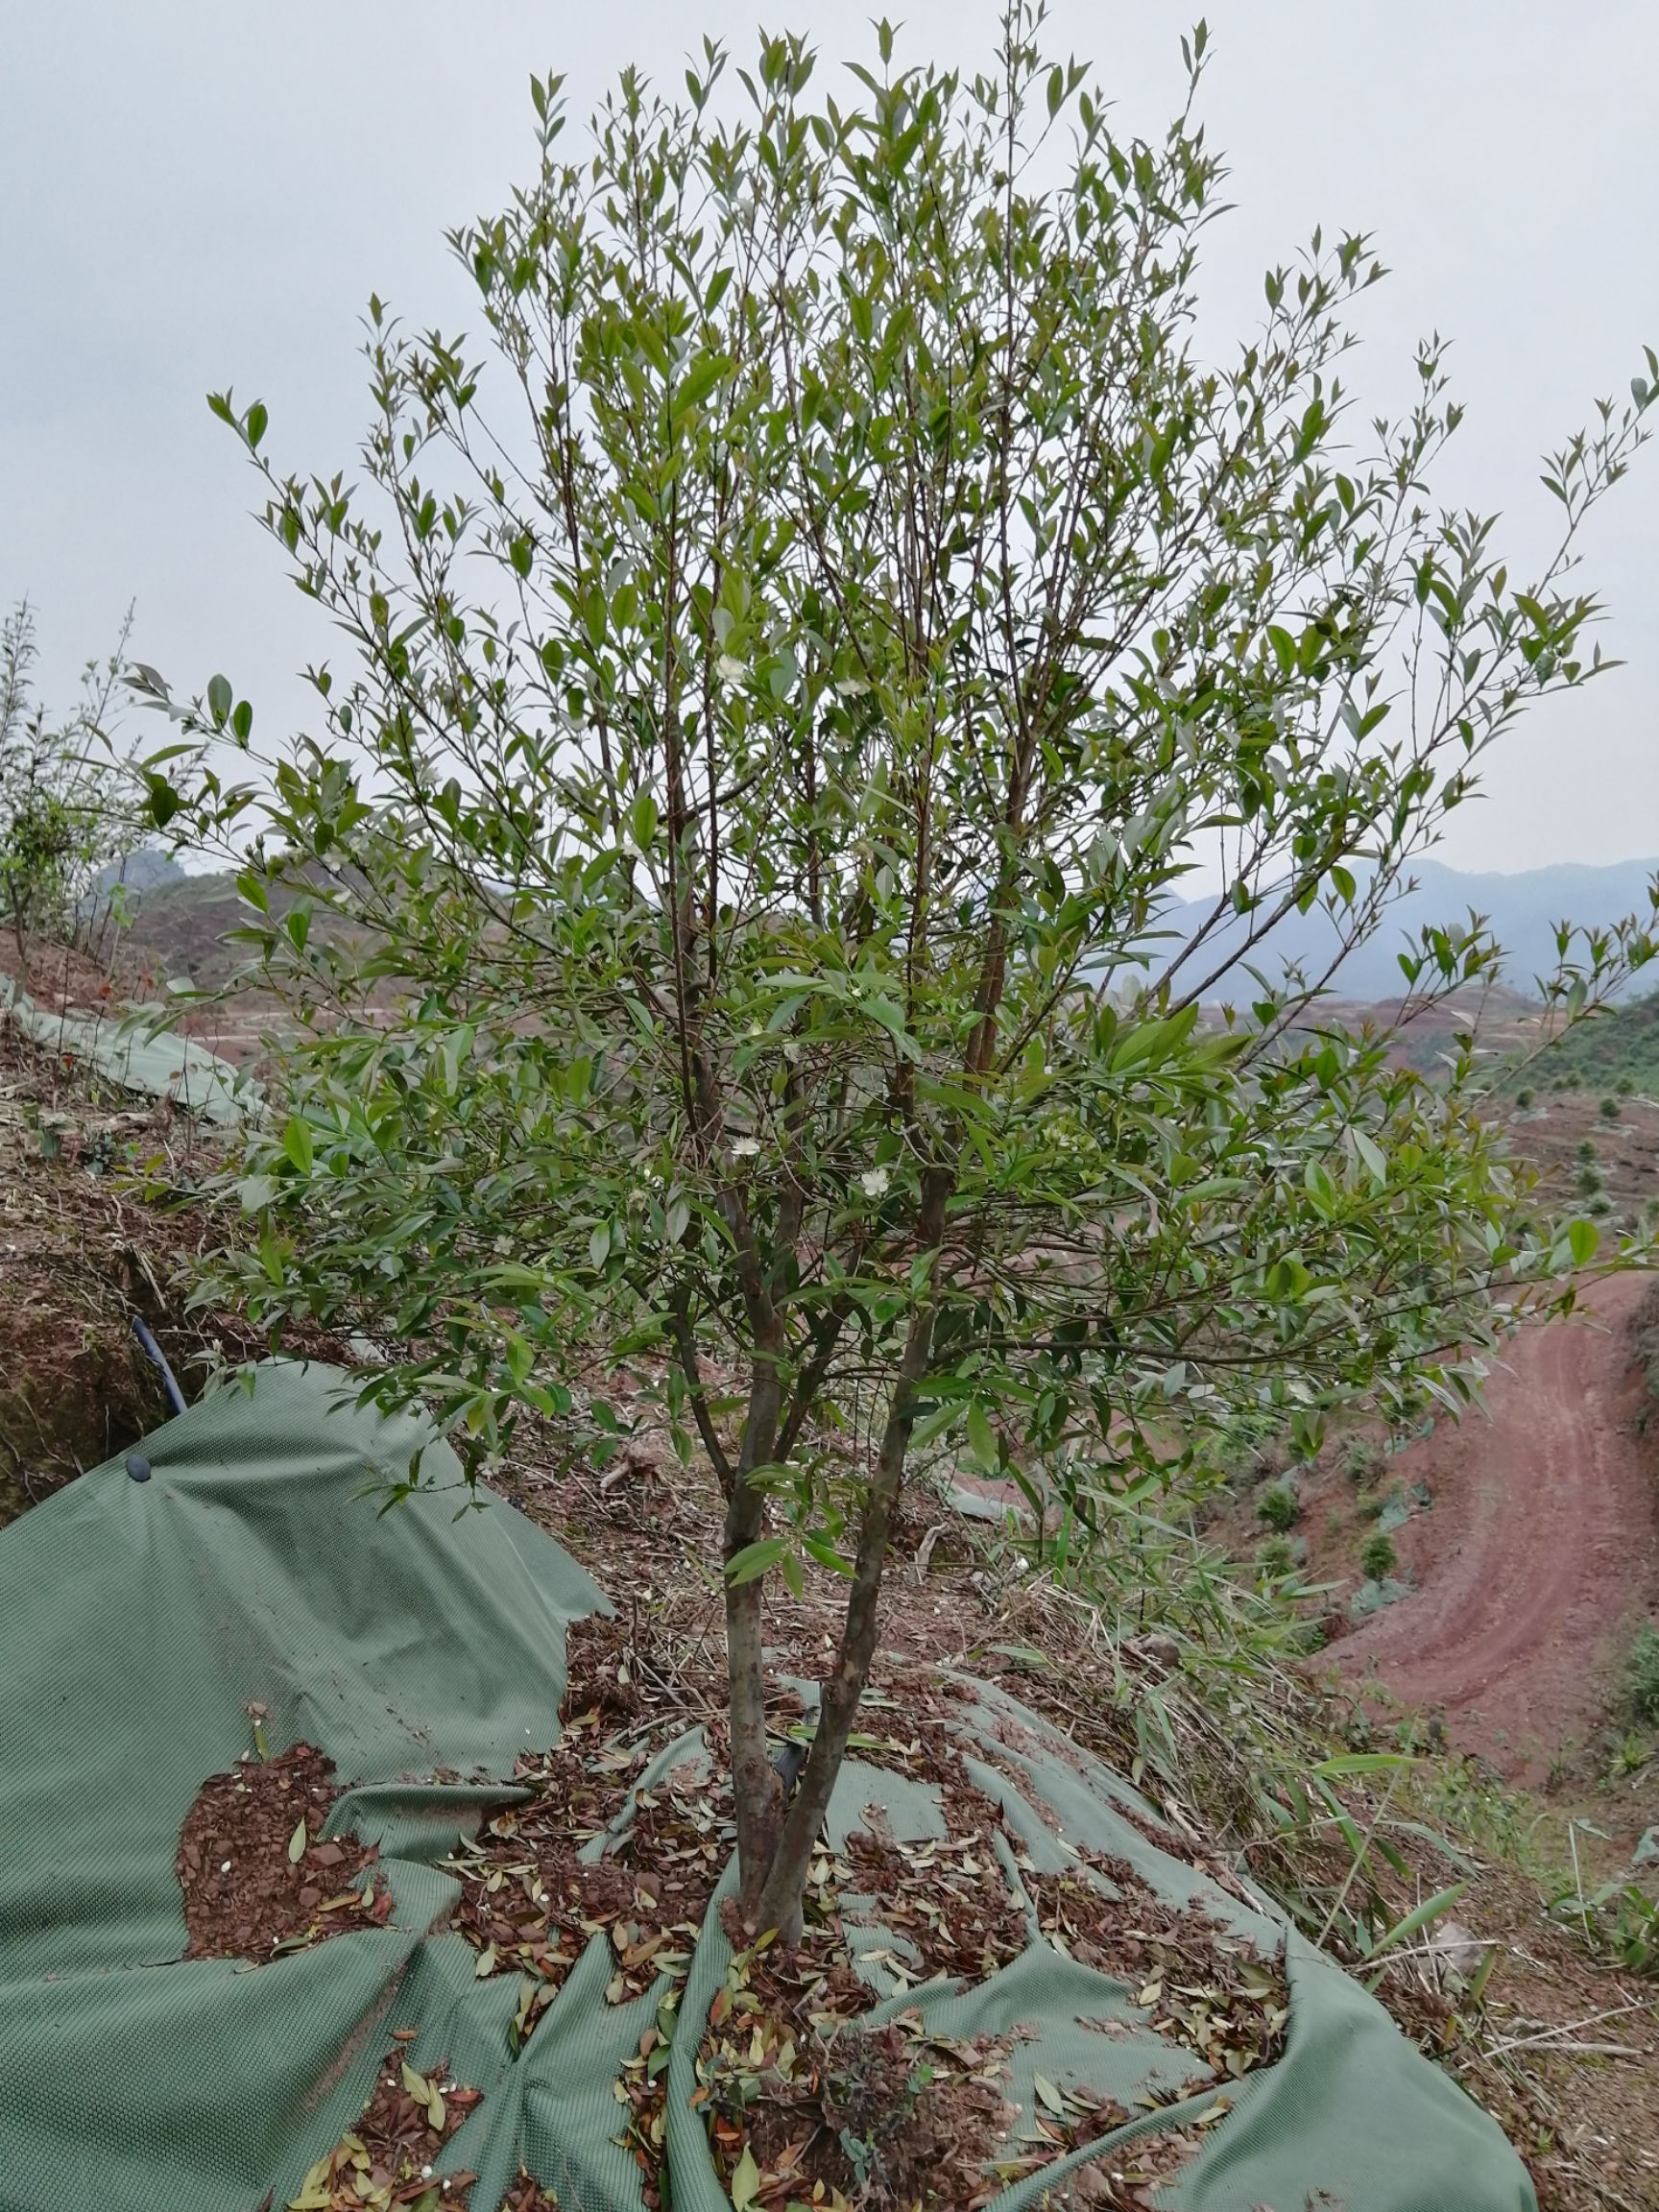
181, 921
140, 870
1522, 910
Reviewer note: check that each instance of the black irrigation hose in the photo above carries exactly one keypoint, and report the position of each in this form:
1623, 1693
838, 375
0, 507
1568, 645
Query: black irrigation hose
149, 1346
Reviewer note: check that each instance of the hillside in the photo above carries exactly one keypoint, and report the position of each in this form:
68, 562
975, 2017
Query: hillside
1615, 1051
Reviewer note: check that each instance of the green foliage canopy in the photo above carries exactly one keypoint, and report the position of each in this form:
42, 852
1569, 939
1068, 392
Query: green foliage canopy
790, 677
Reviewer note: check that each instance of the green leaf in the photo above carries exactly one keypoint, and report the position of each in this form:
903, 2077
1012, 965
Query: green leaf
745, 2181
1361, 1762
756, 1559
297, 1142
1371, 1156
1431, 1909
219, 698
982, 1439
820, 1548
700, 379
1583, 1237
296, 1845
254, 423
161, 801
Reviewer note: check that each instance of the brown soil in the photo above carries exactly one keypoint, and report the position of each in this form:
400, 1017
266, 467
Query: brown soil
1564, 2053
387, 2157
1542, 1543
256, 1878
98, 1221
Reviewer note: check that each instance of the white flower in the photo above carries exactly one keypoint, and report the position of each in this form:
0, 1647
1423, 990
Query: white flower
745, 1147
875, 1181
734, 671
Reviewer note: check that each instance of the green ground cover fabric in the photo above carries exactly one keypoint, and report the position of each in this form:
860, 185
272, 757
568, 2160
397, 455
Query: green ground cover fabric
161, 1065
136, 1622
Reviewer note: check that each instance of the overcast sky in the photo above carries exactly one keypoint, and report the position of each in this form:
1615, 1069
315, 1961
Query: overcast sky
194, 194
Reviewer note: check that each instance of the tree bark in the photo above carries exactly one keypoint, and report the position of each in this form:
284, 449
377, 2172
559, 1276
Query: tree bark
779, 1903
756, 1791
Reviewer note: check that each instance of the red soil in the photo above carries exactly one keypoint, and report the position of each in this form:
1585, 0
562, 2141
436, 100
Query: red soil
1542, 1547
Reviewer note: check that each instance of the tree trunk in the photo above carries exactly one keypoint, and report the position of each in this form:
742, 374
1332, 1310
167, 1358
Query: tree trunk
780, 1899
757, 1793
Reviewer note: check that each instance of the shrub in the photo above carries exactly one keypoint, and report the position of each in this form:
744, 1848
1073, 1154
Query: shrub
1273, 1458
1586, 1150
1278, 1506
1524, 1096
1599, 1206
1643, 1675
1588, 1180
65, 810
1610, 1109
1378, 1558
874, 606
1275, 1557
1362, 1458
1625, 1087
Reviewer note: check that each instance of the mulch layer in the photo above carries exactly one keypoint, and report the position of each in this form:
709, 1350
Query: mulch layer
1207, 1990
259, 1880
1129, 2178
806, 2104
386, 2160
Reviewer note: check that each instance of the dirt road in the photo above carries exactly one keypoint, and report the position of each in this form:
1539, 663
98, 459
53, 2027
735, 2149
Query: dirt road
1541, 1546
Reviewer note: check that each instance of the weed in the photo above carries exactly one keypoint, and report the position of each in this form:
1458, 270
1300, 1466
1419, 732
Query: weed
1630, 1756
1278, 1506
1618, 1916
1378, 1558
1642, 1674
